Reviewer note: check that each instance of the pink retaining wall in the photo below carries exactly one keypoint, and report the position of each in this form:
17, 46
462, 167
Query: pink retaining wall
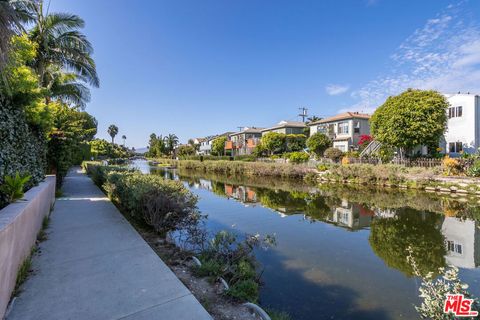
20, 223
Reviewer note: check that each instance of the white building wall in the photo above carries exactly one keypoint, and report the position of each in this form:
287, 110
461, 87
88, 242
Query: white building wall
464, 129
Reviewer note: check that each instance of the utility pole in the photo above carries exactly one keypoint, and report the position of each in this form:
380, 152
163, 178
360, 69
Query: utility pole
303, 113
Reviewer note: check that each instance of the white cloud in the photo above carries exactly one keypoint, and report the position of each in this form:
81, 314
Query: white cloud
336, 89
443, 55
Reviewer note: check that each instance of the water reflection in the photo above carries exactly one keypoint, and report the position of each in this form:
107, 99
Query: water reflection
342, 250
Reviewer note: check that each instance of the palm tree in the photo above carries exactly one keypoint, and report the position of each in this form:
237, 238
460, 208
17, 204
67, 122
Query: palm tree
59, 42
313, 119
66, 87
171, 141
13, 13
124, 137
112, 131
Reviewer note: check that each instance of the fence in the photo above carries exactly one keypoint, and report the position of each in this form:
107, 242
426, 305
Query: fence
419, 162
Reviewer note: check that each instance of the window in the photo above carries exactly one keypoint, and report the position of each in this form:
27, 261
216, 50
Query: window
356, 127
454, 247
322, 129
343, 128
455, 112
455, 147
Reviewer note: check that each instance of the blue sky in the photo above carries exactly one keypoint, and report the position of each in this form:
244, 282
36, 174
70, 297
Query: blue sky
200, 67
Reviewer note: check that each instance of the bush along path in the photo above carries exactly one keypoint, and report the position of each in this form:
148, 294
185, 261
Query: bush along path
94, 265
165, 213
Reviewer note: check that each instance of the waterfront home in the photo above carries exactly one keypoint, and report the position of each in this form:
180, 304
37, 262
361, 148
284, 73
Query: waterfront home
344, 129
287, 127
206, 145
463, 126
244, 141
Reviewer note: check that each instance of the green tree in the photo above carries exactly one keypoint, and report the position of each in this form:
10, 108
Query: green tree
59, 42
124, 138
318, 143
296, 142
13, 14
186, 150
274, 142
112, 131
413, 118
171, 141
218, 146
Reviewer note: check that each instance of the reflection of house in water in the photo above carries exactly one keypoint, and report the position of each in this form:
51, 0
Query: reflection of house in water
352, 215
242, 193
203, 184
462, 241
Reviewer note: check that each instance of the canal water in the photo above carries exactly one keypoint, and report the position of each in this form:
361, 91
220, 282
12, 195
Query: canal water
341, 251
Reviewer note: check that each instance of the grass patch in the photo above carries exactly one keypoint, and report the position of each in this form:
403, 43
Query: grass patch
23, 272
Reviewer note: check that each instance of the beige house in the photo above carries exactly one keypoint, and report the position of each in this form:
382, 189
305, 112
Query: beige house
344, 129
286, 127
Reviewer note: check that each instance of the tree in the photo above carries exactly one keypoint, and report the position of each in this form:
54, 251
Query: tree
171, 141
333, 153
13, 13
59, 42
413, 118
124, 138
313, 119
274, 142
112, 131
186, 150
318, 143
218, 146
296, 142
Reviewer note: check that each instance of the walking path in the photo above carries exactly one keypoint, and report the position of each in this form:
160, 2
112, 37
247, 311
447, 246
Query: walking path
94, 265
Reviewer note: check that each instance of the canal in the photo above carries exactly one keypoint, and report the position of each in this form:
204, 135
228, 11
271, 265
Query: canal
341, 251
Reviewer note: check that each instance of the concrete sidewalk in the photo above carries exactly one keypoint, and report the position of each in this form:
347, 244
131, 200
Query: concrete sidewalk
94, 265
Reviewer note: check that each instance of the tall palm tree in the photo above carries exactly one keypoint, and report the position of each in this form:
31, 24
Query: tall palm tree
66, 87
112, 131
124, 137
13, 13
171, 141
59, 42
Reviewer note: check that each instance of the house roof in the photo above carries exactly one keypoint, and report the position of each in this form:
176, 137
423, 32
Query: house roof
247, 130
286, 124
342, 116
209, 138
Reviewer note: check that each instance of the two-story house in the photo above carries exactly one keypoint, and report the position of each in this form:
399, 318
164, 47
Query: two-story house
344, 129
244, 141
287, 127
206, 145
463, 126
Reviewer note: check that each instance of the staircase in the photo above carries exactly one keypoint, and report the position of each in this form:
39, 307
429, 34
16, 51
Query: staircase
370, 149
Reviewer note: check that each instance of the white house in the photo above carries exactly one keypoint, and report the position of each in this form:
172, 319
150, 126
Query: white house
463, 128
462, 242
344, 129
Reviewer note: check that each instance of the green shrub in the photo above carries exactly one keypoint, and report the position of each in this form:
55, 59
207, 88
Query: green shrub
474, 170
322, 167
232, 259
245, 290
163, 204
14, 186
297, 157
22, 149
247, 168
333, 153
